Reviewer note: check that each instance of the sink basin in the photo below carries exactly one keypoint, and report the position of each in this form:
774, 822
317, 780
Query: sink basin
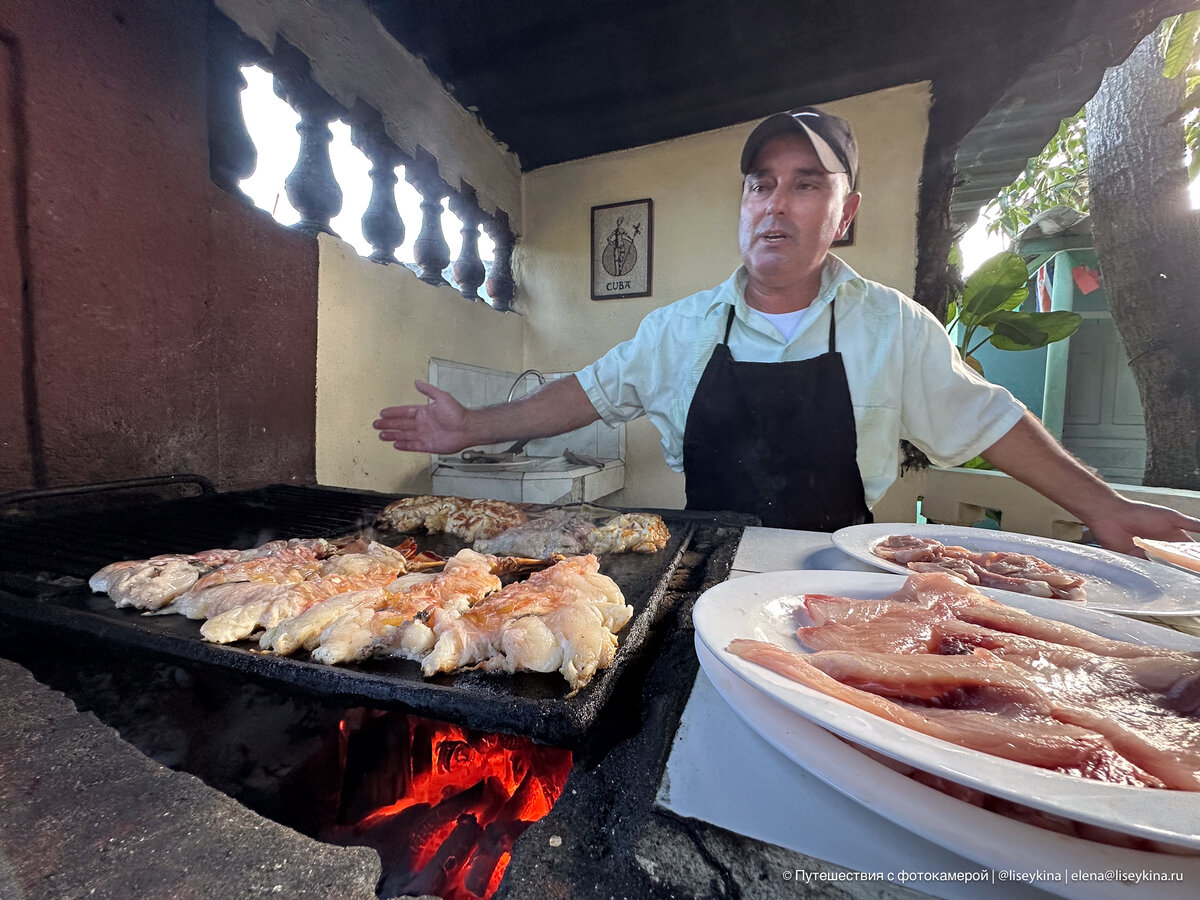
490, 465
533, 479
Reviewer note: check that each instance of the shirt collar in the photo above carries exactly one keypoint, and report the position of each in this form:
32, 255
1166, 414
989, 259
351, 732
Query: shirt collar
834, 273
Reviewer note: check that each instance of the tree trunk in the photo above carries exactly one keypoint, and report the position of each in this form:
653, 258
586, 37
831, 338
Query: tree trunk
1148, 242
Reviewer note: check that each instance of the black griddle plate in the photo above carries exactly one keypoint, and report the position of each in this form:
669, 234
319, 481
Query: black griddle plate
42, 562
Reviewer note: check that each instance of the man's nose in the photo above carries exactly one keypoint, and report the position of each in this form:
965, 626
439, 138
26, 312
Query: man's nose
776, 203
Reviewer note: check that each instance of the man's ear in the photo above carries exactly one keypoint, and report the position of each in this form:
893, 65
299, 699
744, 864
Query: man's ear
849, 209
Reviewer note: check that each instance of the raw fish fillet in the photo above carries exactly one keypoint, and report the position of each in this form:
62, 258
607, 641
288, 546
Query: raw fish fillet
1038, 741
969, 605
1006, 571
1185, 554
940, 648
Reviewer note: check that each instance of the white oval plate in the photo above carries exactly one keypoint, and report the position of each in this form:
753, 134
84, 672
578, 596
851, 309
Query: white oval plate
971, 831
763, 607
1116, 583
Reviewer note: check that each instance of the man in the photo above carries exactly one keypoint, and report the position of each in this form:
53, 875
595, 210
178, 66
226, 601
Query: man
784, 391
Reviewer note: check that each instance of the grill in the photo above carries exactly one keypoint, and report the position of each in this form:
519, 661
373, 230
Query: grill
51, 542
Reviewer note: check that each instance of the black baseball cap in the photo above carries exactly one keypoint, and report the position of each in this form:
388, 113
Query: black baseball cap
830, 135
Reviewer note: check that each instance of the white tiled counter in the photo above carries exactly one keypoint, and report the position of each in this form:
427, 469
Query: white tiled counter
551, 480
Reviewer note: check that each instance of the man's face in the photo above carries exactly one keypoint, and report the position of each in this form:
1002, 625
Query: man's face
792, 211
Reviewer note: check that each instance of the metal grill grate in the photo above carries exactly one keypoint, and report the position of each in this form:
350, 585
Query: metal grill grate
46, 559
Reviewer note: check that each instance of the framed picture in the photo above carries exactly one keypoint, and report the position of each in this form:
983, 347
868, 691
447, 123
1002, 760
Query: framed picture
622, 246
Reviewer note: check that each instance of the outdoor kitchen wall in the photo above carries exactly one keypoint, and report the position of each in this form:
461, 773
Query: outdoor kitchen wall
352, 56
378, 327
165, 326
695, 185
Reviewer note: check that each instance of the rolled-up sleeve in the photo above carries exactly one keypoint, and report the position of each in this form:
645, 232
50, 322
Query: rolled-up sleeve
949, 410
615, 382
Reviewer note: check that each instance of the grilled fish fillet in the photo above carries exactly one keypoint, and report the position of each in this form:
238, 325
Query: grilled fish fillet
376, 627
563, 618
153, 583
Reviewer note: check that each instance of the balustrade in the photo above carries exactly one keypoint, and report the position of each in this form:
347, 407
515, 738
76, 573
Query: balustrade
381, 223
430, 249
468, 268
500, 285
232, 155
312, 187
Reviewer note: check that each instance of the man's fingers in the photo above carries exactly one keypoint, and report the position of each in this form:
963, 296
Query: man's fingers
430, 391
1190, 524
389, 415
398, 412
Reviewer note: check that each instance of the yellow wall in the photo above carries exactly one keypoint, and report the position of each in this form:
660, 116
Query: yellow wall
695, 185
377, 327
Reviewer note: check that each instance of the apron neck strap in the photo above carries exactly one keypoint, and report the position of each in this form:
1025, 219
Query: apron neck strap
832, 325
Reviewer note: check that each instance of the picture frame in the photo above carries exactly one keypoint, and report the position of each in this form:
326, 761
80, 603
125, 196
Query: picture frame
622, 249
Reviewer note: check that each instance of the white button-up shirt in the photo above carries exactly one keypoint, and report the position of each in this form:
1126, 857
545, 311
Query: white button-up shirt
906, 378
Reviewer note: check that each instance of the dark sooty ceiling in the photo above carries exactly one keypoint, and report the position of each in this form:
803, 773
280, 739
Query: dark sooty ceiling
557, 80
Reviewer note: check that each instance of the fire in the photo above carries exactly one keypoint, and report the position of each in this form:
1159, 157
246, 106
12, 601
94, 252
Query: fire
443, 805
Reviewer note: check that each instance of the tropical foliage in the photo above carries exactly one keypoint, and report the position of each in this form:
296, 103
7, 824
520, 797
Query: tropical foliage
1058, 176
1055, 177
1181, 56
989, 304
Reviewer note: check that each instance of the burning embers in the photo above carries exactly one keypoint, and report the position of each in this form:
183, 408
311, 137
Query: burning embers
443, 805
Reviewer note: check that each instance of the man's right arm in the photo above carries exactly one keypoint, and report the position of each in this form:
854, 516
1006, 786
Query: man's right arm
443, 425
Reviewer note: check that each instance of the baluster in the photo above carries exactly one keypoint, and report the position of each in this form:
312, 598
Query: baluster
311, 186
232, 155
500, 284
468, 268
381, 223
430, 249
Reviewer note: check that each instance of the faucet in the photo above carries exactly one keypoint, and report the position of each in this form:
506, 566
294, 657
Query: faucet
534, 372
520, 445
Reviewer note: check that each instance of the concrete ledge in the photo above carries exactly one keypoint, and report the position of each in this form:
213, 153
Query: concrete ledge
84, 814
960, 496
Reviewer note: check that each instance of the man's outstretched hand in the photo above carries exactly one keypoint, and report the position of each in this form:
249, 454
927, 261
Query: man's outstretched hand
1116, 530
439, 426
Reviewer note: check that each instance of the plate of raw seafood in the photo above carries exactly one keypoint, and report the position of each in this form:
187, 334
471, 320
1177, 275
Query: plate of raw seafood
961, 825
1001, 560
1081, 714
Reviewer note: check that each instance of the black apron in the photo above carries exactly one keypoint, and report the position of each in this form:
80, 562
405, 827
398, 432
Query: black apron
776, 440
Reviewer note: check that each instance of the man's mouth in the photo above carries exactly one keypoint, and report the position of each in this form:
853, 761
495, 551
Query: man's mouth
772, 237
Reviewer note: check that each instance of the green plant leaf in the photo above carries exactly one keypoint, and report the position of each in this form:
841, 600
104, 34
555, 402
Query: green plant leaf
997, 284
951, 313
977, 463
1029, 331
1181, 34
956, 257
